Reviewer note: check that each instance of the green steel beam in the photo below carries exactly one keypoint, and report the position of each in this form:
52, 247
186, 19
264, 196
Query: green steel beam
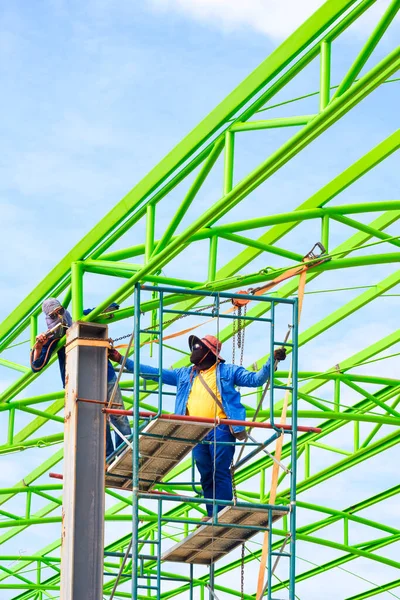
318, 200
281, 57
368, 48
376, 591
343, 249
141, 203
271, 123
296, 216
190, 196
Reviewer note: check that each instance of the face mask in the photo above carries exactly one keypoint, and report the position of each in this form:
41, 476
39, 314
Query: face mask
59, 316
198, 353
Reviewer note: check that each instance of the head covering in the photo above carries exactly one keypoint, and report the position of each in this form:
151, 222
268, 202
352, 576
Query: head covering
50, 305
210, 341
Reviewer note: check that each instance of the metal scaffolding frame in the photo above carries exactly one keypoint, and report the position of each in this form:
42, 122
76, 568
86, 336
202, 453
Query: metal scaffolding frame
138, 568
210, 151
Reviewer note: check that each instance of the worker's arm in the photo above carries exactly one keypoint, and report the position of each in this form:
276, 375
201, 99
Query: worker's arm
42, 351
245, 378
169, 376
110, 309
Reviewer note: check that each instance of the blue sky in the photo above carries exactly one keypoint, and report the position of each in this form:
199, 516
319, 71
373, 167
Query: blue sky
97, 92
94, 93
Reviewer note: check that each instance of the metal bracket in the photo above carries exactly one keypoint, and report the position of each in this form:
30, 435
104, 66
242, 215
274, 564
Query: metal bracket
317, 252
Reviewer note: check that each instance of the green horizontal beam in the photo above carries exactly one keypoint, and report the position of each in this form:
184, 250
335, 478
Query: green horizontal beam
361, 455
342, 181
334, 375
336, 110
340, 514
30, 586
296, 216
12, 365
327, 427
350, 549
38, 443
271, 123
376, 591
338, 562
264, 247
281, 57
26, 557
367, 229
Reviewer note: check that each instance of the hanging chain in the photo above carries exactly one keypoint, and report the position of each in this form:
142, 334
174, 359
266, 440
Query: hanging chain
233, 338
238, 333
234, 491
173, 320
242, 336
240, 325
242, 575
121, 338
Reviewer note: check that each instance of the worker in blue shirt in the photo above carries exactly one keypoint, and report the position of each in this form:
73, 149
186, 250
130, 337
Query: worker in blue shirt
58, 320
209, 389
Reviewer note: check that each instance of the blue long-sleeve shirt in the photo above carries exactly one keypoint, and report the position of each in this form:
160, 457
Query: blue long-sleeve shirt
47, 351
228, 376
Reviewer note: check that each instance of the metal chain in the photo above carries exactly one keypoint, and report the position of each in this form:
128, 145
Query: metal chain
240, 332
122, 337
234, 491
198, 310
233, 339
242, 575
242, 336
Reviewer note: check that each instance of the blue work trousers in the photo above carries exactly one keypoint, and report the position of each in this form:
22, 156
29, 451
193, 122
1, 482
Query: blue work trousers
121, 422
213, 462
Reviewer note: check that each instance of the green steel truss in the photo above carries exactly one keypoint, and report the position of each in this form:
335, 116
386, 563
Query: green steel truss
361, 411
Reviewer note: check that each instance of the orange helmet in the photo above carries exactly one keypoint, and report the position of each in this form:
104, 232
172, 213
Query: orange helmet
210, 341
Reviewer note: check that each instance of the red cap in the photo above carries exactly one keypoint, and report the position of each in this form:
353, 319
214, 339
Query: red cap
211, 342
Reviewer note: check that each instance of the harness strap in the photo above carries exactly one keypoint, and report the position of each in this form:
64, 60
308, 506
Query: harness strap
210, 391
301, 270
278, 452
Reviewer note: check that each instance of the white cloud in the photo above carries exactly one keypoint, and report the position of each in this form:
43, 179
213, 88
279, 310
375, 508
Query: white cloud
276, 18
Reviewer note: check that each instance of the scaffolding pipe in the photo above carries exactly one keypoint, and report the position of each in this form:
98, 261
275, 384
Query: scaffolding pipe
233, 422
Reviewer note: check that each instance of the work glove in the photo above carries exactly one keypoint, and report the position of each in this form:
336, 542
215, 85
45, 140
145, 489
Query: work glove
114, 355
41, 339
110, 310
113, 306
280, 354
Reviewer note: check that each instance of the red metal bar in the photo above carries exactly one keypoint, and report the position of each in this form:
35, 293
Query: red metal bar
56, 475
169, 494
189, 419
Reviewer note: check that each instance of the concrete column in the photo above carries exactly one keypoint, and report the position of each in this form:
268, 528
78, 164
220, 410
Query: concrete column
82, 553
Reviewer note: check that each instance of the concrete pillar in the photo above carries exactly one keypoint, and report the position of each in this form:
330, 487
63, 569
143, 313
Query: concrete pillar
82, 553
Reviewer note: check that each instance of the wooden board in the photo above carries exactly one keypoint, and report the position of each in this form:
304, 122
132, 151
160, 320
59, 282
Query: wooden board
158, 453
211, 542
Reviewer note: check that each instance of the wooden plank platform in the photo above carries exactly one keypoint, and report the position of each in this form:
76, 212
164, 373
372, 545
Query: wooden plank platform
209, 542
158, 453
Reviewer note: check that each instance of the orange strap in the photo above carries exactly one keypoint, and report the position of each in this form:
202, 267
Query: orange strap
172, 335
301, 270
278, 451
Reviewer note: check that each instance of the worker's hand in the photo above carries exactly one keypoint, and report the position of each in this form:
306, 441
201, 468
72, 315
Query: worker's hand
113, 306
280, 354
114, 355
41, 339
110, 310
